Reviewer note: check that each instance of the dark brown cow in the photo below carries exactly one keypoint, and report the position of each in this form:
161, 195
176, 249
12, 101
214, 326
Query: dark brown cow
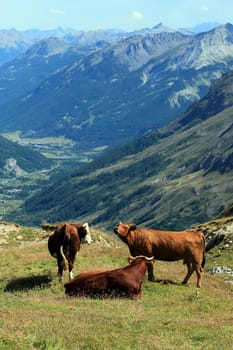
125, 281
64, 244
167, 246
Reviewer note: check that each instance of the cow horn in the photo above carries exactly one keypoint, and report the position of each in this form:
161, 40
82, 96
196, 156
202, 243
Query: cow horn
141, 256
149, 258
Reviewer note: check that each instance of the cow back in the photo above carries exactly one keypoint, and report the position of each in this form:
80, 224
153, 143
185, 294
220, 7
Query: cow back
66, 236
56, 240
163, 245
123, 281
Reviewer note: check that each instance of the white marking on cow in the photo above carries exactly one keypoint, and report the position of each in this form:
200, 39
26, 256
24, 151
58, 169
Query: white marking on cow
87, 239
62, 253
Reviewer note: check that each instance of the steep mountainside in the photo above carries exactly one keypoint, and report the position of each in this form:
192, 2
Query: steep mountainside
125, 89
22, 172
14, 156
228, 211
23, 74
168, 179
219, 97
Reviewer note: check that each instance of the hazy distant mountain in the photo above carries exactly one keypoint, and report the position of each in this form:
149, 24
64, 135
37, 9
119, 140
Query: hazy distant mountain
158, 28
40, 34
121, 91
12, 43
205, 27
167, 179
28, 70
47, 47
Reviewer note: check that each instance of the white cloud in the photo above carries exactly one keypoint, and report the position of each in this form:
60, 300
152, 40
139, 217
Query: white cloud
57, 12
204, 8
137, 15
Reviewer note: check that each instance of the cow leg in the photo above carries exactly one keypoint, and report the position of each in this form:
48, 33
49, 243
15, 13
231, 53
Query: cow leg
136, 296
199, 272
71, 265
61, 267
189, 273
150, 271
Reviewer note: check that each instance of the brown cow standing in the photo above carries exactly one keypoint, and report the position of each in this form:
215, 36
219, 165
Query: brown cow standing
64, 244
167, 246
125, 281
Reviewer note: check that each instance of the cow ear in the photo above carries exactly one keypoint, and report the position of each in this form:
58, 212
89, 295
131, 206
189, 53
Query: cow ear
133, 227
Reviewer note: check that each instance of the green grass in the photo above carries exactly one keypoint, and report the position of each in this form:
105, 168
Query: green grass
36, 314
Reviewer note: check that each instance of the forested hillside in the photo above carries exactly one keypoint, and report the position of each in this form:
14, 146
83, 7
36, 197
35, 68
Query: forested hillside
27, 159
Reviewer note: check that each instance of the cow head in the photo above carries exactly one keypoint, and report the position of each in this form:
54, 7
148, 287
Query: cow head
87, 237
123, 229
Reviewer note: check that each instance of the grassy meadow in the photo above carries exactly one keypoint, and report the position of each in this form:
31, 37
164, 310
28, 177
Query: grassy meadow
36, 314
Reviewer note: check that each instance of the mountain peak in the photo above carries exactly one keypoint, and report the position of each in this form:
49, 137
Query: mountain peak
47, 47
161, 27
205, 27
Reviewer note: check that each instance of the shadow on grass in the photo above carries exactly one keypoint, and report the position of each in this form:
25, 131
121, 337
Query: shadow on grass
27, 283
165, 281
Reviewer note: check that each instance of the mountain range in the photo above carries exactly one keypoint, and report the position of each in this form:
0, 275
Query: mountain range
106, 93
170, 178
99, 98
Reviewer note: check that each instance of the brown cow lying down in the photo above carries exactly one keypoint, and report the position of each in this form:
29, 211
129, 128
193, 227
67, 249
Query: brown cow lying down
167, 246
64, 244
125, 281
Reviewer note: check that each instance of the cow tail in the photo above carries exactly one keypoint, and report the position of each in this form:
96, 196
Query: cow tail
63, 257
66, 241
203, 256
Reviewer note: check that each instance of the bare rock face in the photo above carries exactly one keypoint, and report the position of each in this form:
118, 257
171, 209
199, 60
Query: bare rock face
11, 166
218, 232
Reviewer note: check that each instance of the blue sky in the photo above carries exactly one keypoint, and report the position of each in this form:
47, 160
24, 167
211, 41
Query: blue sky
104, 14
